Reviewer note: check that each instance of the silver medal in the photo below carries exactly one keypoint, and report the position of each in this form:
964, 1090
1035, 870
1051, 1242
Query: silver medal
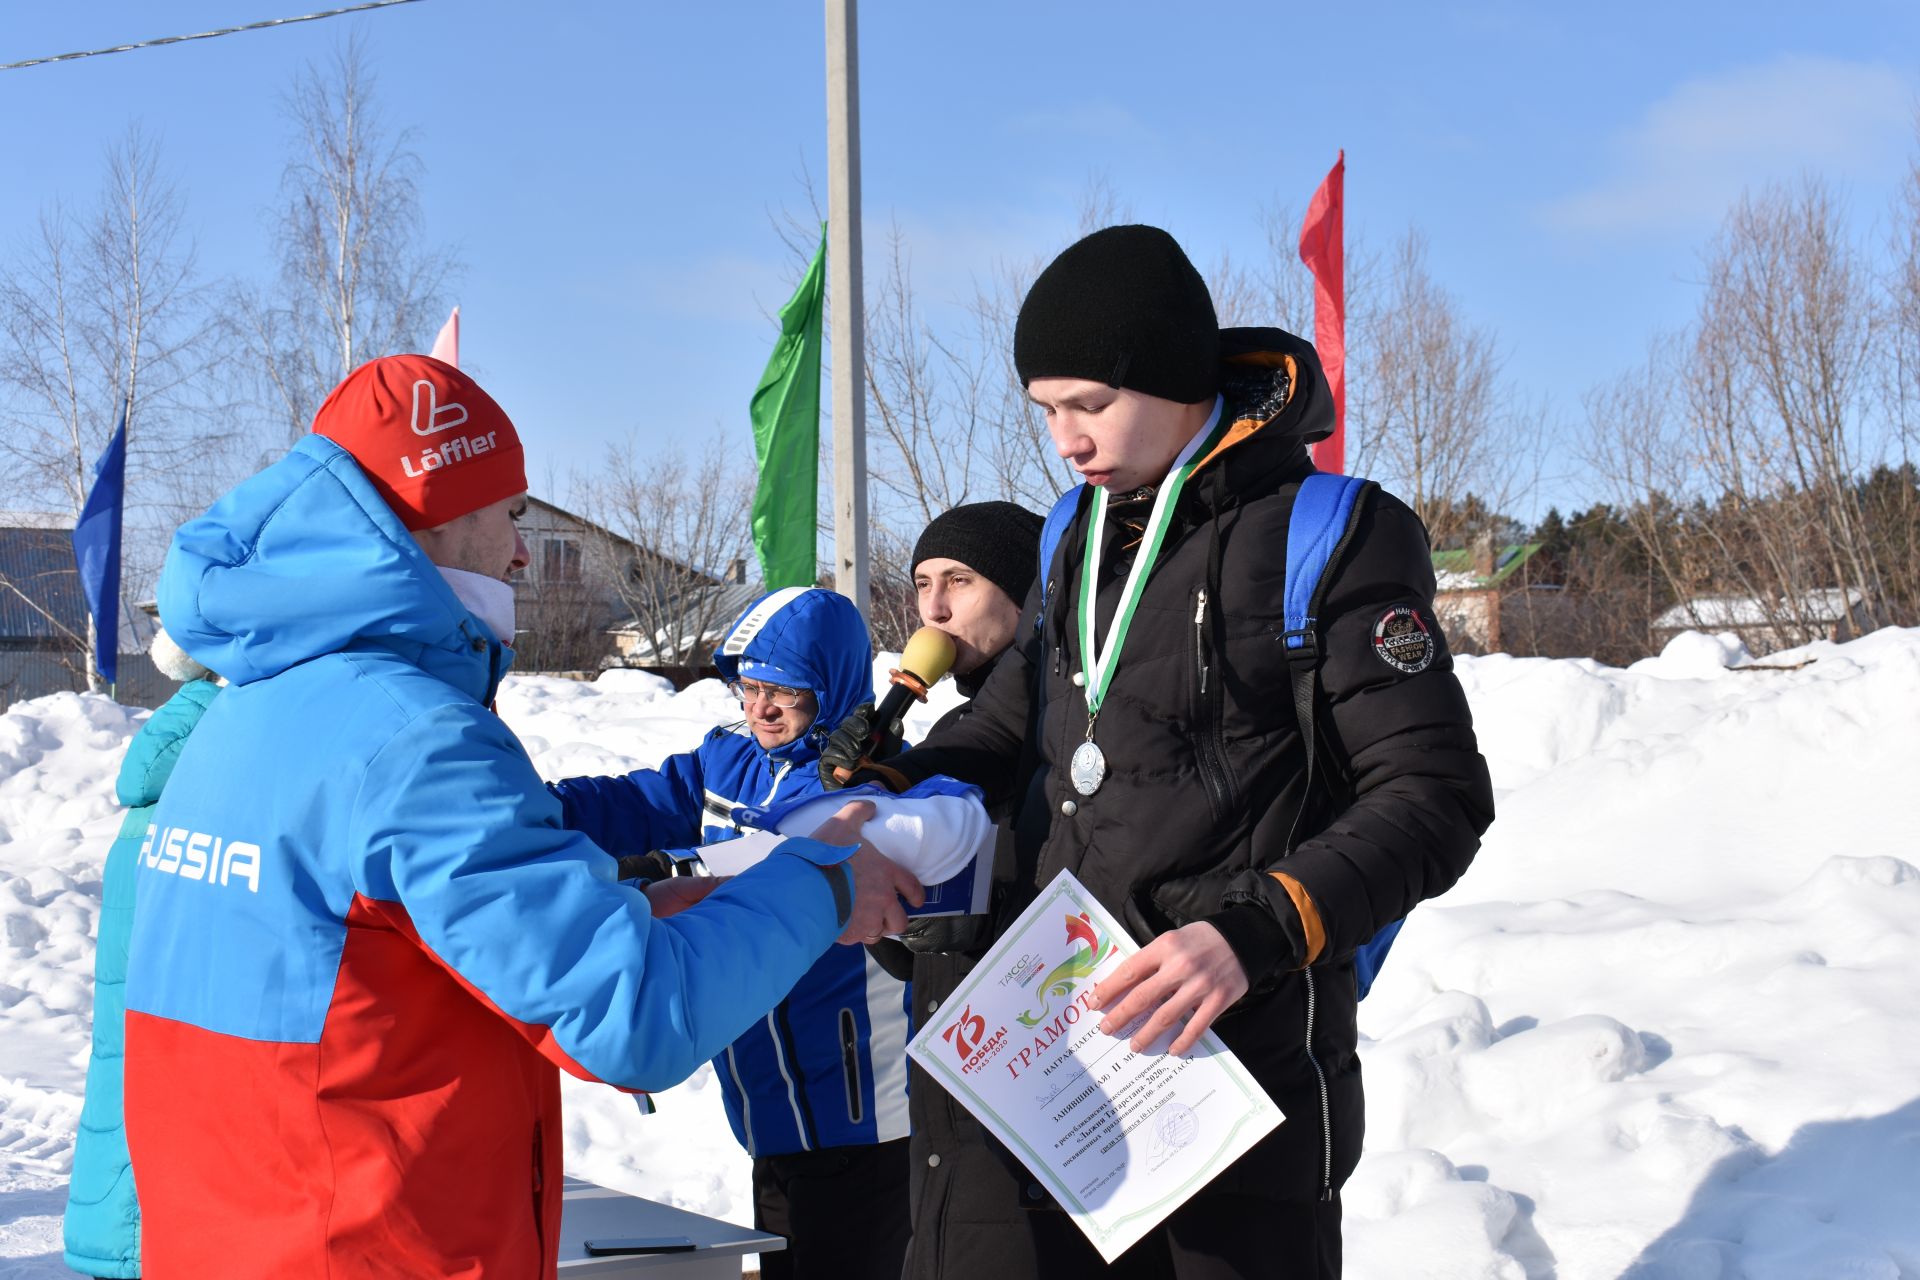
1088, 769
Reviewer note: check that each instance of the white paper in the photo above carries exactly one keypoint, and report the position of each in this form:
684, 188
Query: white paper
934, 837
945, 842
1120, 1139
731, 857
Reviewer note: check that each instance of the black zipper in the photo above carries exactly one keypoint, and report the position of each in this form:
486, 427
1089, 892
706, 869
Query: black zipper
1208, 744
539, 1188
1326, 1112
850, 1064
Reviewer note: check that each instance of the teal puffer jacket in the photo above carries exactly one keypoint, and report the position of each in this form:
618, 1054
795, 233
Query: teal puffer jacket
103, 1213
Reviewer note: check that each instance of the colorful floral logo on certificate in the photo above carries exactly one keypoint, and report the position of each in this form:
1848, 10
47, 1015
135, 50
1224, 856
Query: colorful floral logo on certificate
1067, 974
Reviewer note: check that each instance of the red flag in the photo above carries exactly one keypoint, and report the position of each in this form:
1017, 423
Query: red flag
447, 345
1323, 249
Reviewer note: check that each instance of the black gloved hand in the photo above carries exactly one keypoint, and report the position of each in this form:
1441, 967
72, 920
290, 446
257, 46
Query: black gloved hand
928, 935
893, 957
645, 866
931, 935
846, 748
846, 753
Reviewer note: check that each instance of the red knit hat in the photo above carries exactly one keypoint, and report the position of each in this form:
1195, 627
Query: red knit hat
434, 444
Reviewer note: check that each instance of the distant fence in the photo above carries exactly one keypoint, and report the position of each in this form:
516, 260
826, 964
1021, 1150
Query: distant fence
36, 673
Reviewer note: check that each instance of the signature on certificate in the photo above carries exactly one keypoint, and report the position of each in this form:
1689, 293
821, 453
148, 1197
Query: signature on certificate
1173, 1129
1070, 1077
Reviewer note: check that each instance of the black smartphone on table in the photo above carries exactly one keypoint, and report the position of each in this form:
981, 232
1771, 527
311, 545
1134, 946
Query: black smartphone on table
608, 1245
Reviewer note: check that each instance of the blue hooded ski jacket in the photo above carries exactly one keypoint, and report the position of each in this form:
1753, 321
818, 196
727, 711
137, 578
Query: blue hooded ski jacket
827, 1067
363, 939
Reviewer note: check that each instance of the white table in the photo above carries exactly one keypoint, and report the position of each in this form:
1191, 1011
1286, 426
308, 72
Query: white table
591, 1212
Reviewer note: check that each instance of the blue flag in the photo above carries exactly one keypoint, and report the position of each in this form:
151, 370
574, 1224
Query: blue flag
96, 548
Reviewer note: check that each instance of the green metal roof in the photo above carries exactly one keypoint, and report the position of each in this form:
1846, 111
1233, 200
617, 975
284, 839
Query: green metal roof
1505, 560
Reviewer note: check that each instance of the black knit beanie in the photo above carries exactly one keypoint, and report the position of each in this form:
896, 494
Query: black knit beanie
1000, 541
1123, 307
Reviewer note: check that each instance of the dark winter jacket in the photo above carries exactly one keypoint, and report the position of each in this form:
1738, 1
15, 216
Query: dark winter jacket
1207, 772
970, 1195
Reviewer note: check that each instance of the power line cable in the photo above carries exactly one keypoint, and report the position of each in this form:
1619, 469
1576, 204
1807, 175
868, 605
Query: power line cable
205, 35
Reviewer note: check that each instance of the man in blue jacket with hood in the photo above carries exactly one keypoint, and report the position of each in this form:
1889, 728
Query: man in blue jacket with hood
817, 1089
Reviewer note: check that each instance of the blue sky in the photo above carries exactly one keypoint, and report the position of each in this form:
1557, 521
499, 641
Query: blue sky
607, 170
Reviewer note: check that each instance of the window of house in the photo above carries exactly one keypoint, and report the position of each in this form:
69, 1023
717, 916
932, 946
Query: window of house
560, 560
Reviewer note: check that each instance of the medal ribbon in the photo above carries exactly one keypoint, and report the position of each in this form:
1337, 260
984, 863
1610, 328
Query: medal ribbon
1101, 662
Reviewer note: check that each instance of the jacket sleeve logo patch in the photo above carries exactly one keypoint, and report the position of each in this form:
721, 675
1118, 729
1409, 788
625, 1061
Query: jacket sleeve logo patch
1403, 640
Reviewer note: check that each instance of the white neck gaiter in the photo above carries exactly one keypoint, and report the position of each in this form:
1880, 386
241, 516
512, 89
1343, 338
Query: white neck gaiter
488, 599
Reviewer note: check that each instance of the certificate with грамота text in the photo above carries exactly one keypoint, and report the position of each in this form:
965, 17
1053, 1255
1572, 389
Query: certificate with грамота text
1121, 1139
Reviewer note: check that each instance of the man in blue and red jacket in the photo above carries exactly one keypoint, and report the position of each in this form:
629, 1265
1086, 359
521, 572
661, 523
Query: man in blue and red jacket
364, 943
817, 1089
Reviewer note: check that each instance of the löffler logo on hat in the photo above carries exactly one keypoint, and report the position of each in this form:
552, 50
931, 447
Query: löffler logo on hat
474, 458
455, 414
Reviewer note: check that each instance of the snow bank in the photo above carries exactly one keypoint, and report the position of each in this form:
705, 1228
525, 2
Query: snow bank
1665, 1027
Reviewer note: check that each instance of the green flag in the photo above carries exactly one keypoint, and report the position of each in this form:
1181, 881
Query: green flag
786, 436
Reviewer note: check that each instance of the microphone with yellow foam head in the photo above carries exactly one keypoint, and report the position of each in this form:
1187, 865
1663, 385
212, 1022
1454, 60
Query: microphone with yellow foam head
929, 655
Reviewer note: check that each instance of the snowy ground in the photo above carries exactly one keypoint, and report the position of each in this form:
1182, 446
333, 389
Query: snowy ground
1668, 1026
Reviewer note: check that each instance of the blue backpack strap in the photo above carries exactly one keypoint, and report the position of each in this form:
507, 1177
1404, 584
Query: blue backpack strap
1065, 507
1323, 520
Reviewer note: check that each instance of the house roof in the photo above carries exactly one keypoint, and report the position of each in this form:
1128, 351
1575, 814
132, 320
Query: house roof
34, 520
536, 501
1453, 569
727, 601
1828, 604
39, 560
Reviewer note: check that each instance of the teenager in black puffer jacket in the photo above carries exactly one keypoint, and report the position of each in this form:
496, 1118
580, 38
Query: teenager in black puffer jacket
1247, 922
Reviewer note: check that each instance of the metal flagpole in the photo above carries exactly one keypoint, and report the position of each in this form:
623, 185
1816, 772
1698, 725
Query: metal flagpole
849, 304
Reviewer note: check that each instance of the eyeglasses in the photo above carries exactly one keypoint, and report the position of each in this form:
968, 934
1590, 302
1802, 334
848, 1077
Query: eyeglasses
748, 690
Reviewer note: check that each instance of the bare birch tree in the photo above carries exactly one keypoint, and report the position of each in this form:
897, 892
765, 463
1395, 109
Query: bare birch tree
101, 310
1740, 456
1786, 337
358, 278
950, 404
1901, 294
1022, 463
1892, 506
1275, 288
1640, 446
918, 398
1442, 428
